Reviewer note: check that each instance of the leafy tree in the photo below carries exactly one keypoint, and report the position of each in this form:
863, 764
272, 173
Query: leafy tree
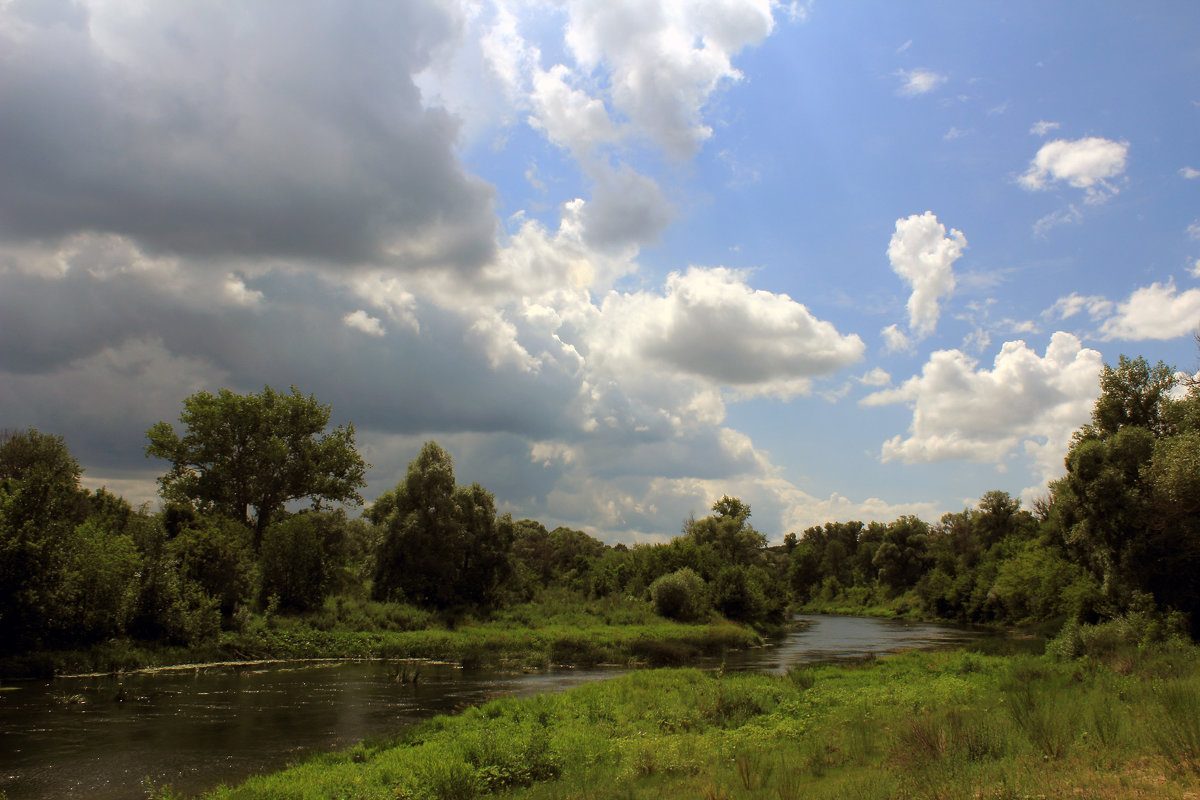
1127, 507
256, 451
100, 582
728, 532
169, 606
442, 545
41, 502
738, 593
1133, 394
902, 557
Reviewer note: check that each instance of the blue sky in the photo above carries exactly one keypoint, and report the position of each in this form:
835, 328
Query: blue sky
842, 260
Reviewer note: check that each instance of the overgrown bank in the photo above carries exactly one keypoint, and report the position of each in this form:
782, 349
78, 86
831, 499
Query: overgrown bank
528, 636
1120, 722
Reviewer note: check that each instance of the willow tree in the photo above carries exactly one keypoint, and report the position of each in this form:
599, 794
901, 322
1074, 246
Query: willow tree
442, 544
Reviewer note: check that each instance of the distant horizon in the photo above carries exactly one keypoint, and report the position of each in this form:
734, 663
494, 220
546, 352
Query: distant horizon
842, 262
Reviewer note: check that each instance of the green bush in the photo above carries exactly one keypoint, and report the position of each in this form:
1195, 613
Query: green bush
292, 564
681, 595
217, 554
173, 609
738, 595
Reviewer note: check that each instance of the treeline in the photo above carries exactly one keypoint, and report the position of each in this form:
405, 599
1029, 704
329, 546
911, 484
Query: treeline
80, 567
1118, 535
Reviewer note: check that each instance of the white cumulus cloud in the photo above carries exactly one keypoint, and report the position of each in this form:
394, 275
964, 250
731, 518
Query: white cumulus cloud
709, 324
1025, 402
665, 60
1157, 311
923, 255
1086, 164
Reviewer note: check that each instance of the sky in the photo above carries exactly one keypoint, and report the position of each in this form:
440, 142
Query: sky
844, 261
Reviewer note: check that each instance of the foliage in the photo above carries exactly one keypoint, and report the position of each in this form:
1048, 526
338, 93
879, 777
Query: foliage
100, 582
939, 725
293, 564
442, 544
40, 505
681, 595
739, 595
218, 555
257, 451
1128, 506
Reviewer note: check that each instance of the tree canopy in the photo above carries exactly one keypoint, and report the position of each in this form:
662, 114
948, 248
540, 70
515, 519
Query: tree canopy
256, 451
443, 545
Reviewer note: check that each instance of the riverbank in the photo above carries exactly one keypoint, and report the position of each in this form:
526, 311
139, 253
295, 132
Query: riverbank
530, 636
944, 724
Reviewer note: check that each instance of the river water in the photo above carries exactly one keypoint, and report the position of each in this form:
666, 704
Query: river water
103, 737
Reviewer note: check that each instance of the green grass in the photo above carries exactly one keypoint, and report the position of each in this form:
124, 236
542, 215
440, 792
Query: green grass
918, 725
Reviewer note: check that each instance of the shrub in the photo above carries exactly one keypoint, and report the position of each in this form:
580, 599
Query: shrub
681, 595
216, 554
738, 595
293, 564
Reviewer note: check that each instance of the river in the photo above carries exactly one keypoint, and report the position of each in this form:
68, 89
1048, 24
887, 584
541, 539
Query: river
102, 737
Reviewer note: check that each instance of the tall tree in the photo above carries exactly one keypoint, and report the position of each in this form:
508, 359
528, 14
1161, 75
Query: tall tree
1128, 506
442, 544
41, 502
256, 451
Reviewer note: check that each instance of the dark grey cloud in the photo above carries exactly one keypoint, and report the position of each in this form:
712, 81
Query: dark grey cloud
61, 338
251, 129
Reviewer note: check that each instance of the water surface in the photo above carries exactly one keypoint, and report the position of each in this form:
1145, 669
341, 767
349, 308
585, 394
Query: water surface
99, 737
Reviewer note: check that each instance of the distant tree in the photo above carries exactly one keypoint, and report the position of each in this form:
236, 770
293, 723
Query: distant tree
256, 451
217, 554
728, 532
902, 557
442, 544
739, 594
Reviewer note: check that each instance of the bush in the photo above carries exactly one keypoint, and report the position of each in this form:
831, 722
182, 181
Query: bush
173, 609
681, 595
292, 564
739, 596
217, 554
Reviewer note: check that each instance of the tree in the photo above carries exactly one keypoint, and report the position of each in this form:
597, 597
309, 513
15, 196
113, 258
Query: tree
1129, 507
728, 532
41, 503
442, 545
902, 557
257, 451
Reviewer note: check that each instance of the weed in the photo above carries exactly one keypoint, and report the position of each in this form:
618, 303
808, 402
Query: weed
1038, 712
803, 677
1177, 733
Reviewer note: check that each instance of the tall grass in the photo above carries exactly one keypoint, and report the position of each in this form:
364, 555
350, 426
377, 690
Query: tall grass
919, 725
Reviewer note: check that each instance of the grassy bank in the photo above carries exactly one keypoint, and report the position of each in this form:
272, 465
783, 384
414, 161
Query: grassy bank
927, 725
556, 630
